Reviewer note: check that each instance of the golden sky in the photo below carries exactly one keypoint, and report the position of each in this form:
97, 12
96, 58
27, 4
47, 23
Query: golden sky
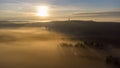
98, 10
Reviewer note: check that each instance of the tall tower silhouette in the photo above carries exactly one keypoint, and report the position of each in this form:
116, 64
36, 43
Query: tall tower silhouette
69, 19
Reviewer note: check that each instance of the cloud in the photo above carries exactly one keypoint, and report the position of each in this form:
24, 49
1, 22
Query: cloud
99, 14
24, 1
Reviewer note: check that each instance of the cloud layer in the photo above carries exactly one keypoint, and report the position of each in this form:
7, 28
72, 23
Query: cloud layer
99, 14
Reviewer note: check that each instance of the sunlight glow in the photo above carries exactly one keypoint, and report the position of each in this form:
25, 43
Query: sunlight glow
42, 11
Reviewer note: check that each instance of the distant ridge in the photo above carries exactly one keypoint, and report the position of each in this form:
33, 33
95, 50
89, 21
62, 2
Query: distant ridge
87, 21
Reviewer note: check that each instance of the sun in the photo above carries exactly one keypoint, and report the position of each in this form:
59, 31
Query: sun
42, 11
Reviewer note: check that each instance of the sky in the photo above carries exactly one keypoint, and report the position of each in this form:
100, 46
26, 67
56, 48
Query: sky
98, 10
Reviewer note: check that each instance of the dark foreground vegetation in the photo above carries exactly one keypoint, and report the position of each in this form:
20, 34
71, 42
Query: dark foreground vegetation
93, 33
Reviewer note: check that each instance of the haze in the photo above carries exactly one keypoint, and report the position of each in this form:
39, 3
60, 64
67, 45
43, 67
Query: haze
98, 10
59, 33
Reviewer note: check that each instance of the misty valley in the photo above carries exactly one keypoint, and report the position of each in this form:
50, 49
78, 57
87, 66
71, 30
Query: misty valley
59, 44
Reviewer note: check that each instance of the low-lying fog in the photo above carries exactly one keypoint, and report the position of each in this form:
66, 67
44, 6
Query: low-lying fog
39, 48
